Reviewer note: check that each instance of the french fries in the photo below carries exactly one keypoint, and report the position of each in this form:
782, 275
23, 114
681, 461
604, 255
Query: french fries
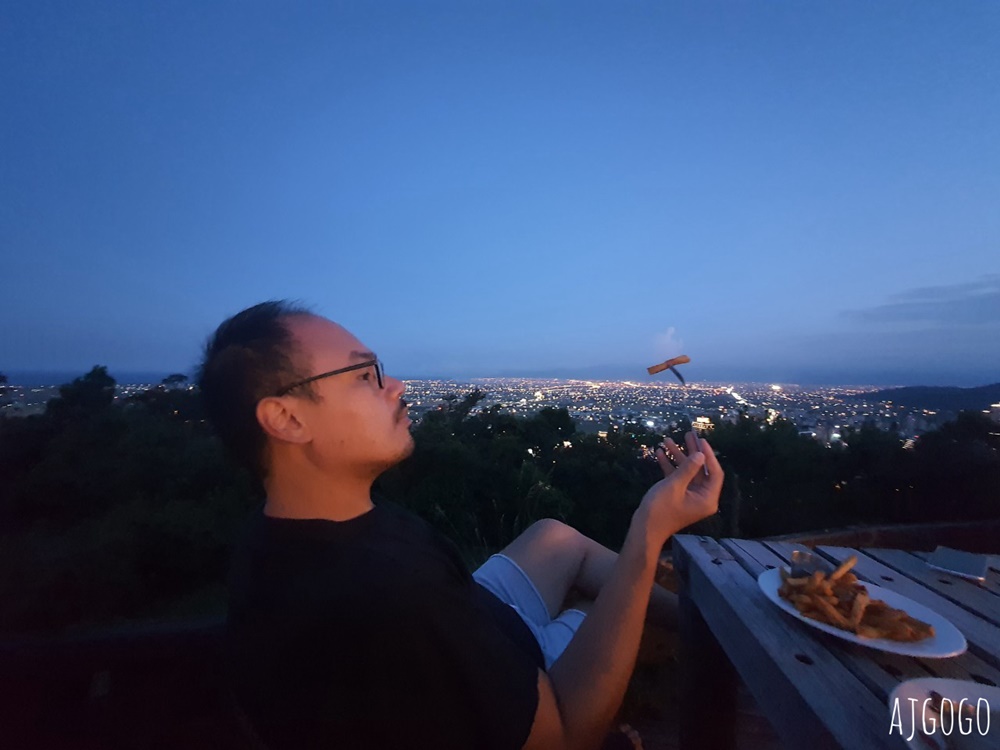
839, 600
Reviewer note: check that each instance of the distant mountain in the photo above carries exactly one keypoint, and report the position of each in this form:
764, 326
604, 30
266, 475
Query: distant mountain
938, 398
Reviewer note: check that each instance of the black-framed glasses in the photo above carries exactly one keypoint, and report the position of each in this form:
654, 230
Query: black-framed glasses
379, 375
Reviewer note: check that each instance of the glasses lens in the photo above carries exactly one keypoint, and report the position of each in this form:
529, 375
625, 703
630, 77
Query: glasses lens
379, 374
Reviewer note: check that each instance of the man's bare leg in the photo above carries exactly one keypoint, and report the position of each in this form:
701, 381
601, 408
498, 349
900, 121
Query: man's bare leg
558, 558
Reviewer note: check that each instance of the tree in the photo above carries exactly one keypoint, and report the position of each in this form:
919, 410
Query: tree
177, 379
776, 480
955, 471
86, 395
874, 474
174, 403
113, 509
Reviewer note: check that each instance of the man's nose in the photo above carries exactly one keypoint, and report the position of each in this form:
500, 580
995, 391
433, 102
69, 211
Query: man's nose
395, 386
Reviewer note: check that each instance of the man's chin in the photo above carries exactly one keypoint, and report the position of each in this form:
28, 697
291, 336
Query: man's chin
405, 451
408, 450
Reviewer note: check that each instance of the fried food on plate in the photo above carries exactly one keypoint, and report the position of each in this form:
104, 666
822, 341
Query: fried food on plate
838, 599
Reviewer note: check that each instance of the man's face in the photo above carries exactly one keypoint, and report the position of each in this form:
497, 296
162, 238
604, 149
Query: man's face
355, 425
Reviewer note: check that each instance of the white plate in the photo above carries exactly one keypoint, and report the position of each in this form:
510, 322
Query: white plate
954, 690
946, 641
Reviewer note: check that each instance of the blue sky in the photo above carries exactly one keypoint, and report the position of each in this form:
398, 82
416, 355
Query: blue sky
795, 191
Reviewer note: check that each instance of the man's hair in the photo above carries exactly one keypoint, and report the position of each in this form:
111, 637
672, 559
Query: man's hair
249, 357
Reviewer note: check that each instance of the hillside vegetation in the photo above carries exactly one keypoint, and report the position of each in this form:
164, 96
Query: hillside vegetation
116, 510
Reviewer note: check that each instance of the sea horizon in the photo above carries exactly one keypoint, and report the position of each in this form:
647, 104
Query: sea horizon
37, 378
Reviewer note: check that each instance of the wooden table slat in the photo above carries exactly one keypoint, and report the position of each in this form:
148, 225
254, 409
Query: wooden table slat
818, 690
983, 636
968, 666
812, 699
964, 593
881, 672
992, 582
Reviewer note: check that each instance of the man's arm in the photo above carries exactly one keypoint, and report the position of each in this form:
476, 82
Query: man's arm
578, 698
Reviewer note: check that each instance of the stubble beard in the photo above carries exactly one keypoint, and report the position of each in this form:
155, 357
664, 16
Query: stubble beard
404, 453
408, 449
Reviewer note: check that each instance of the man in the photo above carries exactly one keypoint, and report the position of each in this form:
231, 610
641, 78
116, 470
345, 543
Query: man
353, 624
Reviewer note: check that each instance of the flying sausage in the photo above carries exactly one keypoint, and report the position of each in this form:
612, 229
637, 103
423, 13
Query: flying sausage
669, 365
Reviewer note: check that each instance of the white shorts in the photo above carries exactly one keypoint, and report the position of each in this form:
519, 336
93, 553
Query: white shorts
504, 578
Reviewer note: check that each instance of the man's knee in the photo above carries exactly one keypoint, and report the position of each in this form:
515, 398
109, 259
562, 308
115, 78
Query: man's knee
549, 531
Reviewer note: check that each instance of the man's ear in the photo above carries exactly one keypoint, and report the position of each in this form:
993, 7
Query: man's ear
278, 418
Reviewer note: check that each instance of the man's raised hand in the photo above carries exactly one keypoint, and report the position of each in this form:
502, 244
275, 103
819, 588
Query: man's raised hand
685, 494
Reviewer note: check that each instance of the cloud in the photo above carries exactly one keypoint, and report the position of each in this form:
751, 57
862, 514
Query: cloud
668, 344
975, 303
941, 335
948, 334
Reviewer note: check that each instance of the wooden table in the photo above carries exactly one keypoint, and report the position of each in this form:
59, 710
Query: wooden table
817, 690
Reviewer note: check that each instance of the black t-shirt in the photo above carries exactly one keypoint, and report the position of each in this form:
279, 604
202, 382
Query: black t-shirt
371, 633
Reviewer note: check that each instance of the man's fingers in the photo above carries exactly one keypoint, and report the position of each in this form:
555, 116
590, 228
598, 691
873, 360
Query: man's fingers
673, 450
664, 462
691, 441
714, 469
690, 466
670, 456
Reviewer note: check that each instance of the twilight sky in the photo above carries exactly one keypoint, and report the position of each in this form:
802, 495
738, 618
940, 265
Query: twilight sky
787, 191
